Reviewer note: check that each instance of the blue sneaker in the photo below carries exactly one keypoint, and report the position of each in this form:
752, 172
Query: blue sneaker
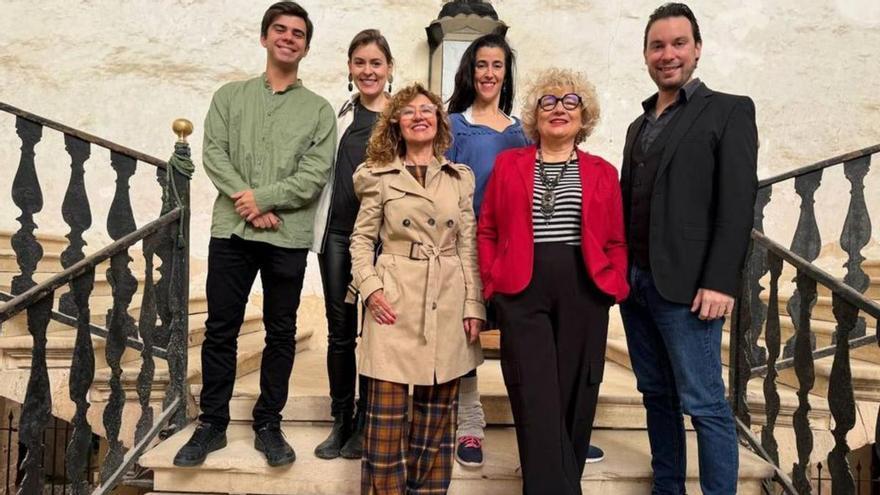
595, 454
469, 451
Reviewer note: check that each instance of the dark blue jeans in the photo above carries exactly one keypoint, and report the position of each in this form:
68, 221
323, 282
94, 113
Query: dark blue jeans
676, 358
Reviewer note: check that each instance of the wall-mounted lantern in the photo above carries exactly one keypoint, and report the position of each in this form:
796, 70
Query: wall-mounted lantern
460, 22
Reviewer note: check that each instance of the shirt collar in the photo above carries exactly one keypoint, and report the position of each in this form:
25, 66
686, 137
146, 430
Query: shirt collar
397, 164
468, 115
268, 86
684, 95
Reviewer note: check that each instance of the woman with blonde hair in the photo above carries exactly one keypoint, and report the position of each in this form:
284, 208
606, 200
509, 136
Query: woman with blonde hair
422, 292
553, 260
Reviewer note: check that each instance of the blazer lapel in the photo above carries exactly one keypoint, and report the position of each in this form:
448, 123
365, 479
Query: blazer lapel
631, 133
525, 167
691, 111
588, 184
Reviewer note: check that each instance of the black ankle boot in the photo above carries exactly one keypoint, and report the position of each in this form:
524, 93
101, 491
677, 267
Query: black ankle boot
354, 446
341, 431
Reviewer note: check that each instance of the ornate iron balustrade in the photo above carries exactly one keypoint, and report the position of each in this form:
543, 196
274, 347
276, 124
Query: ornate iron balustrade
161, 329
757, 349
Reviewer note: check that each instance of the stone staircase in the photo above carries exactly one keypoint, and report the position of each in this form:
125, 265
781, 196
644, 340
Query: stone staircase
620, 429
16, 343
620, 423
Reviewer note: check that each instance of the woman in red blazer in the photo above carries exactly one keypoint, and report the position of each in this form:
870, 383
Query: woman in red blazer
553, 259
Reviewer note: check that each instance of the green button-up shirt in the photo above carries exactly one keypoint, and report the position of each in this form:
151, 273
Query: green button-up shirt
281, 145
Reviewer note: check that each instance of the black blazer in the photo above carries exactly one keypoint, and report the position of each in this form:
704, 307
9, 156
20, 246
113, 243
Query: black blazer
704, 195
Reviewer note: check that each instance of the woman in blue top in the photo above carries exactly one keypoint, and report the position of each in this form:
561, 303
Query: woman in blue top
480, 106
482, 127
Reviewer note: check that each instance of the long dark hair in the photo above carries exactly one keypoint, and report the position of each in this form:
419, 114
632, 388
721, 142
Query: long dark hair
465, 93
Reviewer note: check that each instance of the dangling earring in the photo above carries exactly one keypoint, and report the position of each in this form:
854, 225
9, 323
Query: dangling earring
390, 80
350, 86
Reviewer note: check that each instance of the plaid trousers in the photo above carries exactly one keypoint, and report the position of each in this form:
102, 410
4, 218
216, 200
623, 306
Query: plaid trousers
423, 464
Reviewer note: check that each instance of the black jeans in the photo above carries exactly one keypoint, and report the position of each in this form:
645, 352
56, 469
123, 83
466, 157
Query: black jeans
232, 267
335, 263
553, 337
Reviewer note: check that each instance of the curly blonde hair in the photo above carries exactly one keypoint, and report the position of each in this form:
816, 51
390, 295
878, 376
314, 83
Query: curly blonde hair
386, 141
567, 80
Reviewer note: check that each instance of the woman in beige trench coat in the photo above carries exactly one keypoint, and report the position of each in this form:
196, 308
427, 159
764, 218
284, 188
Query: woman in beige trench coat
423, 293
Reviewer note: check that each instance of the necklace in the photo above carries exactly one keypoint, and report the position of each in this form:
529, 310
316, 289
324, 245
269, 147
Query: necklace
548, 198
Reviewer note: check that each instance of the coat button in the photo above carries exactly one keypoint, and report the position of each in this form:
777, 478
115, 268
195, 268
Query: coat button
431, 222
450, 223
642, 165
406, 222
434, 306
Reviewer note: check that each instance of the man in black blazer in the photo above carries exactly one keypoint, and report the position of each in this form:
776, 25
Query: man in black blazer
689, 182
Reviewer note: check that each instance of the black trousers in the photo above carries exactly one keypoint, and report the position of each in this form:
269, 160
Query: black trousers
553, 337
335, 263
232, 268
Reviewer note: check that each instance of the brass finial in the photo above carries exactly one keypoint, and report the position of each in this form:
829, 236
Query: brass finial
182, 128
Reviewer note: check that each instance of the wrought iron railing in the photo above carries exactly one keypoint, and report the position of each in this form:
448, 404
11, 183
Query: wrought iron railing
160, 330
757, 348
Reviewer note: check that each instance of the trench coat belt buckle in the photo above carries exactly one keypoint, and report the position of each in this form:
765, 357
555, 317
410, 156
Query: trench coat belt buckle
417, 250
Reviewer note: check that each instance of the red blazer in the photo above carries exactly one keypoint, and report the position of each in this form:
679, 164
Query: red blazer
505, 236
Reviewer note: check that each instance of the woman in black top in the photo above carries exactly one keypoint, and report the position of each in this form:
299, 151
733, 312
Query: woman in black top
369, 69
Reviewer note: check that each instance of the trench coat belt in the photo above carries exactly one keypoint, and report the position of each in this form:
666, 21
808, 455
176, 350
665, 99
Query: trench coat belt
431, 254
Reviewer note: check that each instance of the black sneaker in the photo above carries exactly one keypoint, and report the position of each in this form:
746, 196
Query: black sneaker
206, 439
595, 454
270, 441
469, 451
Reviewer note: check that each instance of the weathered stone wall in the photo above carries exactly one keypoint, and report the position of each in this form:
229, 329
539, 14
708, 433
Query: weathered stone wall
125, 70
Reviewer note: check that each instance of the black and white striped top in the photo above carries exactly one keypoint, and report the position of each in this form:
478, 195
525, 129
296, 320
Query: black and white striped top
565, 224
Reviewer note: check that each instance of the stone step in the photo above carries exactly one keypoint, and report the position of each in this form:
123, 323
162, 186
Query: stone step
249, 354
872, 292
620, 405
865, 378
871, 267
820, 414
17, 327
99, 304
250, 350
50, 242
822, 310
239, 468
101, 286
60, 344
824, 331
49, 263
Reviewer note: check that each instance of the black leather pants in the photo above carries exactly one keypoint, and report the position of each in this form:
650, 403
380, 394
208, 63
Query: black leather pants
335, 263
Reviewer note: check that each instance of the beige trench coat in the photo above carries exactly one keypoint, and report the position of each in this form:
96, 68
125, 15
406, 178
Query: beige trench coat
427, 268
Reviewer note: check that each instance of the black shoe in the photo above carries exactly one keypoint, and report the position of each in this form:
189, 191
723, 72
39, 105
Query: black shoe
354, 446
206, 439
339, 434
595, 454
270, 441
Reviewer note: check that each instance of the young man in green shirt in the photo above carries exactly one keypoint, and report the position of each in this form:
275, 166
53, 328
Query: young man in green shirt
268, 148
